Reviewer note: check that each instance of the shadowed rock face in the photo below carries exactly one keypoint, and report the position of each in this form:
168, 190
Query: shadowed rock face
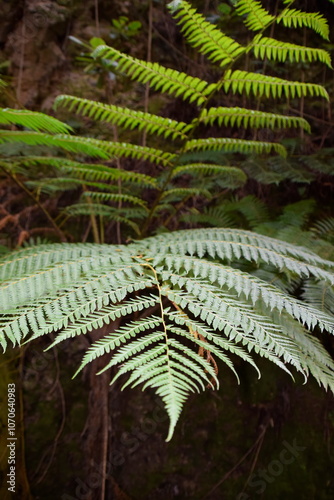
32, 45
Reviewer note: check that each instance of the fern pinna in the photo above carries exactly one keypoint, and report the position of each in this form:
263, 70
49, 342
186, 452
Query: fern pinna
183, 302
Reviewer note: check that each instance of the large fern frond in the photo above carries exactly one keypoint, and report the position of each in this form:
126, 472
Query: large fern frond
203, 35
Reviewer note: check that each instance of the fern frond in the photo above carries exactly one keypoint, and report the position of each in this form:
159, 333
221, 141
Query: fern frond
275, 50
80, 145
88, 171
33, 120
245, 285
125, 117
228, 244
157, 76
242, 117
268, 86
232, 176
234, 145
294, 18
114, 197
128, 150
257, 18
256, 333
176, 193
204, 36
104, 316
111, 213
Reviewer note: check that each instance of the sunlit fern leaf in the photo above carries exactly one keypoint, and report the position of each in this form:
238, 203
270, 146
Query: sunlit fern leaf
158, 77
33, 120
234, 145
272, 49
125, 117
243, 117
294, 18
257, 18
260, 85
203, 35
233, 177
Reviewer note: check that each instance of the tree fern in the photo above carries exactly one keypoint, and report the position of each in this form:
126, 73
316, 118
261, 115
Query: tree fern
185, 298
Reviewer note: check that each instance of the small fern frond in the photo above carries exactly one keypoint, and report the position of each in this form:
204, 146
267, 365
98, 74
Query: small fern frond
180, 193
242, 117
88, 171
294, 18
73, 144
269, 86
33, 120
246, 286
105, 316
234, 145
125, 117
257, 18
204, 36
114, 197
128, 150
275, 50
158, 77
233, 177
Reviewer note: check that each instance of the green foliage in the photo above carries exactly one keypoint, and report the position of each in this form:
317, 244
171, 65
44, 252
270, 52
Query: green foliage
176, 303
189, 295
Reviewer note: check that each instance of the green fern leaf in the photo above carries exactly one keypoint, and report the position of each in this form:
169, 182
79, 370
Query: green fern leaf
257, 18
201, 34
80, 145
268, 86
269, 48
234, 145
125, 117
242, 117
157, 76
233, 177
294, 18
33, 120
